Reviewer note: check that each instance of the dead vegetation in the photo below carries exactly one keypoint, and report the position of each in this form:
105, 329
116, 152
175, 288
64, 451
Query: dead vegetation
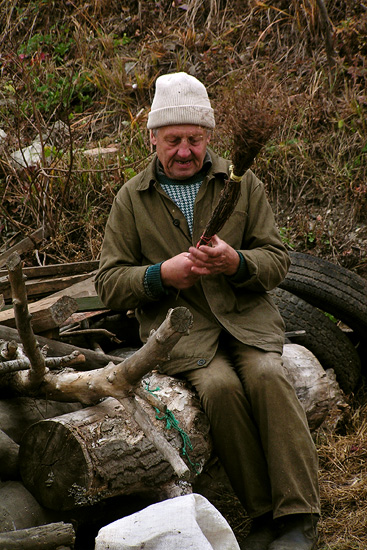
342, 477
92, 66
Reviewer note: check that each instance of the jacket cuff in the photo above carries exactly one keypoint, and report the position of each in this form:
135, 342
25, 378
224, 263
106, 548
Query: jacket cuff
242, 273
153, 282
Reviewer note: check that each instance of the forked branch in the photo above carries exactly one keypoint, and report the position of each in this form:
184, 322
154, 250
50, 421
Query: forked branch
118, 381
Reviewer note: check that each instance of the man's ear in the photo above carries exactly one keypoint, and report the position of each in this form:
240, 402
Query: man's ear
153, 139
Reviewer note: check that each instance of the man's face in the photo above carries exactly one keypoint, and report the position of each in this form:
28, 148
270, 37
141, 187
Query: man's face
181, 149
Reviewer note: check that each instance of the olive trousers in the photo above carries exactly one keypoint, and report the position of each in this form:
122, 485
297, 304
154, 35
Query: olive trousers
259, 430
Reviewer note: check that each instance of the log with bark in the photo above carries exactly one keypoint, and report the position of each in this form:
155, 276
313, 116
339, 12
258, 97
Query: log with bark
109, 452
18, 413
317, 389
53, 536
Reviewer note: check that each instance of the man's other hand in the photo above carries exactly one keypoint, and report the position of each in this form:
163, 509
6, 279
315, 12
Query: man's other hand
177, 272
220, 257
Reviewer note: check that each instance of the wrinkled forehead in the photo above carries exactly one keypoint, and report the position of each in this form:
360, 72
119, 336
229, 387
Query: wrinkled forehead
183, 131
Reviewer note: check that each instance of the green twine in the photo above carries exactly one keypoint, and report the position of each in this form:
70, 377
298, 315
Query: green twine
172, 422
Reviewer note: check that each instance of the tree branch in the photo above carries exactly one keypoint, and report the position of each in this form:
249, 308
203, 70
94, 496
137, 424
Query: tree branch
163, 446
113, 380
23, 322
23, 363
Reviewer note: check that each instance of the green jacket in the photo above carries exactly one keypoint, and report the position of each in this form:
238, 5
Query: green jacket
145, 227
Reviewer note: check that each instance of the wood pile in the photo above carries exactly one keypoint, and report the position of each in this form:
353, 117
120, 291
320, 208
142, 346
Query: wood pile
80, 424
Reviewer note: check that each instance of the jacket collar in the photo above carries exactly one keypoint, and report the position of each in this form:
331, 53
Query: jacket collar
219, 167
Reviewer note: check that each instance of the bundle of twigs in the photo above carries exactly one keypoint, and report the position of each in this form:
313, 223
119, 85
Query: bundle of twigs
251, 127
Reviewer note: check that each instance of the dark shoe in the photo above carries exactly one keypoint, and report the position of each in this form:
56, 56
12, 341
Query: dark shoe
296, 532
262, 533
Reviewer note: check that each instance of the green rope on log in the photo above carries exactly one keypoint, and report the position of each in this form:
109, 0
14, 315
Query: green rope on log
173, 423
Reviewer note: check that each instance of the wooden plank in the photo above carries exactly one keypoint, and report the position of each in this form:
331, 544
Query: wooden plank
79, 290
46, 314
79, 316
37, 288
90, 303
29, 243
72, 268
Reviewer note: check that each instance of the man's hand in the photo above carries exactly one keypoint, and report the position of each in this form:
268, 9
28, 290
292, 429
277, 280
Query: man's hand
177, 272
184, 270
215, 259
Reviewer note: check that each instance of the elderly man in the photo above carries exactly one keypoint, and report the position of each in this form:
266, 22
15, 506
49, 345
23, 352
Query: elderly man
232, 355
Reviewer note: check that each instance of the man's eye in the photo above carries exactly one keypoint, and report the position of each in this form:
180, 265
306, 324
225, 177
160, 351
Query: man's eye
191, 140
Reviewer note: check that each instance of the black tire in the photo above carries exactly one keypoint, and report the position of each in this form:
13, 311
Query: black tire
322, 337
329, 287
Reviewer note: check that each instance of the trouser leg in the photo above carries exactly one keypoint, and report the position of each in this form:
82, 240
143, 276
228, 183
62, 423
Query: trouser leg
259, 430
234, 432
286, 440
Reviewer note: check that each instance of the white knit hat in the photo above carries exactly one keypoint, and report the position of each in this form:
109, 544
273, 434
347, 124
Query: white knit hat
180, 99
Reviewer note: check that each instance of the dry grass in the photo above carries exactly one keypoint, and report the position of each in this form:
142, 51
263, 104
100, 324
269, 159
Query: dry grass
94, 66
343, 470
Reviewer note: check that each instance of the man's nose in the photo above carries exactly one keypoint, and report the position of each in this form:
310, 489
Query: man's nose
184, 149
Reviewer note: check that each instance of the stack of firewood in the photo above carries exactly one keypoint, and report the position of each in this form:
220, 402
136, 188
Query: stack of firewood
79, 425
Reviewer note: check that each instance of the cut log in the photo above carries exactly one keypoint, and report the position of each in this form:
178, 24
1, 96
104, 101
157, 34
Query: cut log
109, 453
17, 414
317, 389
45, 537
9, 451
19, 509
46, 314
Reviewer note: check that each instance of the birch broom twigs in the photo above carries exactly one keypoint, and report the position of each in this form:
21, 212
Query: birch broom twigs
251, 127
